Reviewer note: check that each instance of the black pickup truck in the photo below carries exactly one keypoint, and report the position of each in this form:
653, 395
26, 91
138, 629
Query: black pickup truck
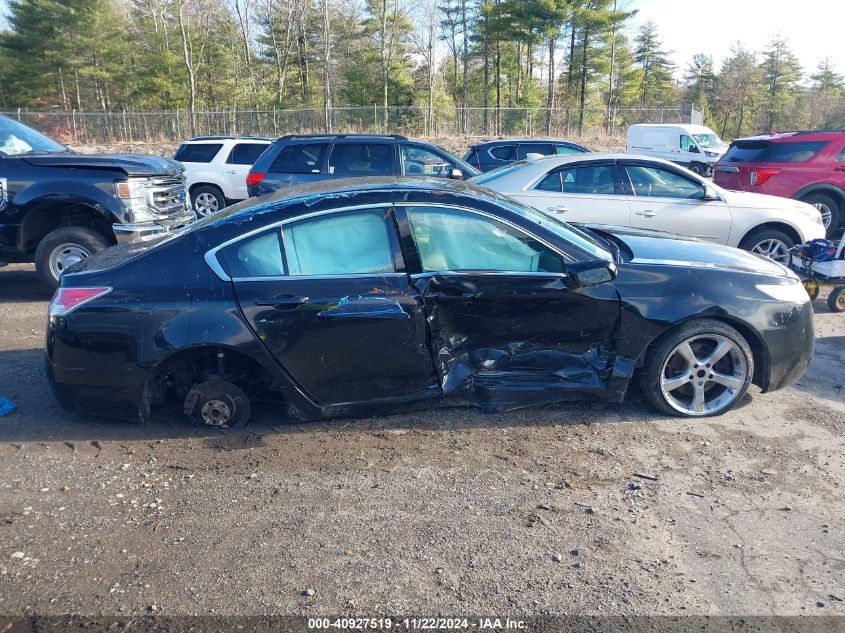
58, 206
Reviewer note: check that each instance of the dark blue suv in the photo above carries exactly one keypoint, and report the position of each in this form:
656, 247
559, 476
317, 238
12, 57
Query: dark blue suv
297, 159
491, 154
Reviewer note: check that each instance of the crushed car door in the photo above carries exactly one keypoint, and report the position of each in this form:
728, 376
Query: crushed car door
329, 297
505, 320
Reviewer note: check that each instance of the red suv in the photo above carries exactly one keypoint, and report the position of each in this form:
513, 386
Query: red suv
806, 166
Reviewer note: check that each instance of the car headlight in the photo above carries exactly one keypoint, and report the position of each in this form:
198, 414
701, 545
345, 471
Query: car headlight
133, 194
711, 154
792, 292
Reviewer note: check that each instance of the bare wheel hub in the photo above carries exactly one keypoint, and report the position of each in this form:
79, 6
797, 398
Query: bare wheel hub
216, 413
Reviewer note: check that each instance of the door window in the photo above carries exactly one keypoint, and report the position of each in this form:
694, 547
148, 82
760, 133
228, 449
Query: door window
454, 239
656, 182
245, 153
840, 158
197, 152
361, 159
259, 256
299, 159
345, 243
567, 149
687, 144
584, 179
546, 149
503, 152
418, 161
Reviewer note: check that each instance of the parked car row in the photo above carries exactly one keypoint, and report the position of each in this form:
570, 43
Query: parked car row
476, 297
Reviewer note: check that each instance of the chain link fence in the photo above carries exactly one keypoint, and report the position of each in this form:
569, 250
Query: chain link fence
439, 121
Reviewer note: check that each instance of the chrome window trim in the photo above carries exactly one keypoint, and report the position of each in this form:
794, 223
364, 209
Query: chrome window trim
213, 263
441, 205
489, 273
313, 277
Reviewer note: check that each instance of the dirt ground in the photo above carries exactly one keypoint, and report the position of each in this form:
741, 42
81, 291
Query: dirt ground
584, 508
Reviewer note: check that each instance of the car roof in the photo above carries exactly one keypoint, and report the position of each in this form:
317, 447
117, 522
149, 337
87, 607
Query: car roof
340, 137
228, 137
794, 135
525, 140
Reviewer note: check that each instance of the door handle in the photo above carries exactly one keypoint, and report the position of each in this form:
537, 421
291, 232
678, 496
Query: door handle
839, 169
282, 302
231, 171
648, 213
559, 209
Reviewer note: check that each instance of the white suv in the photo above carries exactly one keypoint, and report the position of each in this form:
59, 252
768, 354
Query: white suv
216, 168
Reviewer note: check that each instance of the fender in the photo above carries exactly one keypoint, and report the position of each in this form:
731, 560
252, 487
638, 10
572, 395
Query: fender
821, 187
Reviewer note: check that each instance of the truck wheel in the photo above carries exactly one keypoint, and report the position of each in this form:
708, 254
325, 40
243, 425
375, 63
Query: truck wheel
829, 208
207, 200
699, 168
698, 369
62, 248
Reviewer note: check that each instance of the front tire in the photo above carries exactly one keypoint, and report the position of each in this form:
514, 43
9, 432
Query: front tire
699, 168
830, 209
207, 200
698, 369
62, 248
772, 243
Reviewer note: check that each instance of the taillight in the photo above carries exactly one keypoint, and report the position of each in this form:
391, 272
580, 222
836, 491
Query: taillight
67, 299
761, 175
254, 177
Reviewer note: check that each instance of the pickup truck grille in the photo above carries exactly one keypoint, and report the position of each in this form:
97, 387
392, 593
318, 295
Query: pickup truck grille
166, 195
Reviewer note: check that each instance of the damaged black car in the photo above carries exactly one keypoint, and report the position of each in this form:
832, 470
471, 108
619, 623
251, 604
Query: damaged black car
354, 297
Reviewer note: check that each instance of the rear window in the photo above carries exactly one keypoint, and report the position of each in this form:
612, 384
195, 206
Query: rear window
769, 152
299, 159
361, 159
504, 152
246, 153
546, 149
197, 152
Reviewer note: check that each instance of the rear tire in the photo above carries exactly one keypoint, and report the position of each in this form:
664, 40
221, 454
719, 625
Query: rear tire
698, 369
836, 299
699, 168
62, 248
771, 243
207, 199
830, 209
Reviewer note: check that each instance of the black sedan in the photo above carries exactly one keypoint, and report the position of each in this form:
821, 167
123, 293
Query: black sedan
351, 297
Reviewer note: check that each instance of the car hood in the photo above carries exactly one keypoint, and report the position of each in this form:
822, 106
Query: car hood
130, 164
657, 247
748, 200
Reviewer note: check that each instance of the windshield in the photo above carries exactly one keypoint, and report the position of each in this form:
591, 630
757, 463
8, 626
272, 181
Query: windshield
499, 172
707, 140
578, 238
16, 139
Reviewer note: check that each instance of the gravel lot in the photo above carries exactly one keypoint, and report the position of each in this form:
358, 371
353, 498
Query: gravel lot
448, 511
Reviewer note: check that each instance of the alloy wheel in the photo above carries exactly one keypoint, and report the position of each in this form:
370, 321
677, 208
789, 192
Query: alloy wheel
206, 204
703, 375
64, 256
827, 214
773, 249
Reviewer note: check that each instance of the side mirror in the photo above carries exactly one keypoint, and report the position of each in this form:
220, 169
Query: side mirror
592, 273
456, 174
693, 149
710, 194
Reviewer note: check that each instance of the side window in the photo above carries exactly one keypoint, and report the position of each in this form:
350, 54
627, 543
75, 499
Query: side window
567, 149
687, 144
258, 256
588, 179
197, 152
546, 149
551, 182
343, 243
655, 182
504, 152
361, 159
245, 153
418, 161
299, 159
454, 239
793, 152
840, 158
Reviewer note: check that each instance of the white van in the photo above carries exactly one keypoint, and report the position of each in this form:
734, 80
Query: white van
696, 147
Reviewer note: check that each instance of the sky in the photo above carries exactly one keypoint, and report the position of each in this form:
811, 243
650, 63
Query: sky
814, 28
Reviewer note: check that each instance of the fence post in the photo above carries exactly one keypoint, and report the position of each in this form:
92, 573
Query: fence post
73, 123
375, 118
19, 115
